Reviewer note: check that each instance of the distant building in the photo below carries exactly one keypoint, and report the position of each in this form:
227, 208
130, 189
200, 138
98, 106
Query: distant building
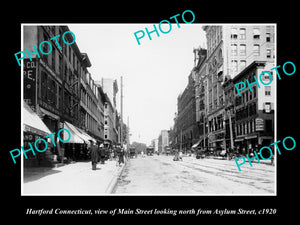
185, 127
111, 117
163, 141
154, 144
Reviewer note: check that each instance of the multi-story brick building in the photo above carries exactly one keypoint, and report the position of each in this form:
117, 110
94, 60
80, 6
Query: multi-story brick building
185, 128
231, 49
254, 110
201, 97
59, 87
111, 117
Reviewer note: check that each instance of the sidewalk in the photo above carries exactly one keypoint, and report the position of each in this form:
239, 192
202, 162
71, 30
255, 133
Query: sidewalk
72, 179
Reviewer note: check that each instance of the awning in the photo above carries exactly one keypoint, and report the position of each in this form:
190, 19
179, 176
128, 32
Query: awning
85, 135
32, 122
76, 136
238, 139
251, 137
197, 143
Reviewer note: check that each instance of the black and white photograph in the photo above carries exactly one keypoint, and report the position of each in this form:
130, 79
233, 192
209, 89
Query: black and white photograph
132, 113
144, 109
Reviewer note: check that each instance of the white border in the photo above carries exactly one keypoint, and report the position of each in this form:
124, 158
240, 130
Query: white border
117, 24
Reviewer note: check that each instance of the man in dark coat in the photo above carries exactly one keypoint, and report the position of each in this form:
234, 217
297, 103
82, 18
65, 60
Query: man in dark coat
121, 156
94, 154
102, 154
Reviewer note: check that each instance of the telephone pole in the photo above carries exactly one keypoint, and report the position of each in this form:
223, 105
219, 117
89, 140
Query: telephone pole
127, 133
121, 130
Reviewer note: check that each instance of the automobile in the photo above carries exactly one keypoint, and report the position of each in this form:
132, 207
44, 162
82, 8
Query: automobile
132, 152
150, 151
168, 150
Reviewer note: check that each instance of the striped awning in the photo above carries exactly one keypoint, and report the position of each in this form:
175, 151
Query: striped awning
33, 123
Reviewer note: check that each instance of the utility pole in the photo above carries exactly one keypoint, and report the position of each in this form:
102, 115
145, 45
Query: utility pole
204, 126
121, 130
230, 129
127, 133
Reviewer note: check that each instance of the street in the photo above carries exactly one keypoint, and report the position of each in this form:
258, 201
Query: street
161, 175
154, 175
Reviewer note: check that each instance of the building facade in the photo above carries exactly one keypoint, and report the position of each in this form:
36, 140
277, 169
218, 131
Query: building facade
185, 127
254, 110
231, 49
163, 141
111, 117
201, 97
60, 90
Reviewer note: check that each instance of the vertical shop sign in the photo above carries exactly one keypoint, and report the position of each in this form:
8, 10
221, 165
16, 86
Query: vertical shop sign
259, 124
30, 82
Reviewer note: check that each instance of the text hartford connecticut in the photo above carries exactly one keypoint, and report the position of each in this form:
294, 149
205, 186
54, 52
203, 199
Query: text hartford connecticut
173, 108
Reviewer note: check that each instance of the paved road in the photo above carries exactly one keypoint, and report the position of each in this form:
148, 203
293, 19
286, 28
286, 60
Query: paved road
162, 175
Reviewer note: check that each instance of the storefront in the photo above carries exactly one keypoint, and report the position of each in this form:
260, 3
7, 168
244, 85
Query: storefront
77, 147
33, 129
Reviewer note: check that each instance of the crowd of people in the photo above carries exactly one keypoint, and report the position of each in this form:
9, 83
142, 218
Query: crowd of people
99, 153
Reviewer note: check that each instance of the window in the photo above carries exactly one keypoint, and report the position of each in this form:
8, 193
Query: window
268, 53
267, 90
234, 33
268, 37
256, 33
60, 93
266, 77
242, 49
267, 107
233, 49
59, 64
242, 33
45, 49
44, 82
53, 59
234, 65
242, 64
256, 50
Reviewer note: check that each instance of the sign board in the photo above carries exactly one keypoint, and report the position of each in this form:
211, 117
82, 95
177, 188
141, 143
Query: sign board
259, 124
29, 73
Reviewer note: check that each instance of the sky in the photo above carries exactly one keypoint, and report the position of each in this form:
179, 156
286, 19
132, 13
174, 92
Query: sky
154, 72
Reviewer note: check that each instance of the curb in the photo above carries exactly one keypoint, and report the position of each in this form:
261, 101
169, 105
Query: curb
113, 183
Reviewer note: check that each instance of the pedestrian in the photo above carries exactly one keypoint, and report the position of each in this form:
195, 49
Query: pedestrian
180, 155
121, 156
94, 154
102, 154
